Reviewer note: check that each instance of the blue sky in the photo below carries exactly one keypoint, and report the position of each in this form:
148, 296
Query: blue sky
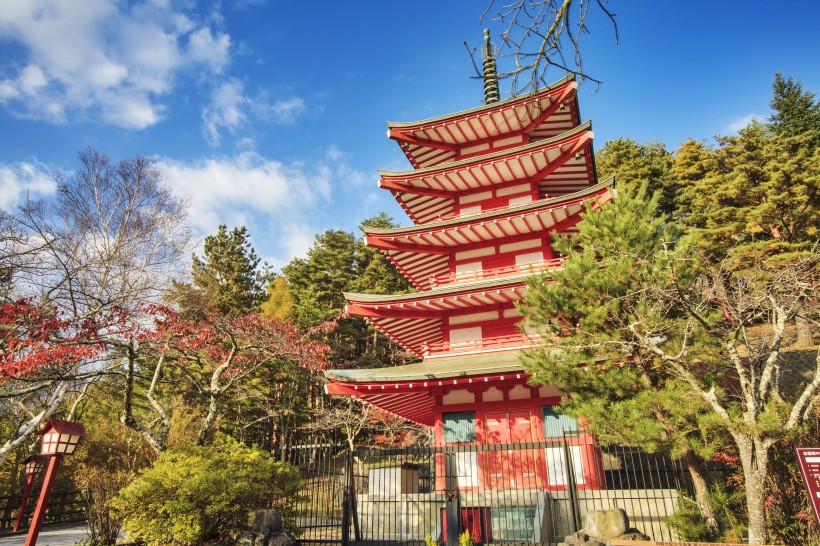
271, 114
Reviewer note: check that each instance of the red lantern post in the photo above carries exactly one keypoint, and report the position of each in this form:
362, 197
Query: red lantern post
31, 468
60, 438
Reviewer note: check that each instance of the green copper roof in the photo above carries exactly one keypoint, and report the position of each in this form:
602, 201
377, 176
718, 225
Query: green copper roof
435, 368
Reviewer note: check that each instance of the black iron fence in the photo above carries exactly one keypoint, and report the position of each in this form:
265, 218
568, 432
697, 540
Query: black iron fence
534, 493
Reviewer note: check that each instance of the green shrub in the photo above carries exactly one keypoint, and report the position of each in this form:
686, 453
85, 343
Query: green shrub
728, 508
106, 461
193, 494
688, 522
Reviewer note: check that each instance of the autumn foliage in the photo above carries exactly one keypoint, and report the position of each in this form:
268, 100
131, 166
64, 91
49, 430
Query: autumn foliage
239, 344
34, 338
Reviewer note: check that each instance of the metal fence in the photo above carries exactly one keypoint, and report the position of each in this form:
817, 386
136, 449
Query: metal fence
534, 493
63, 506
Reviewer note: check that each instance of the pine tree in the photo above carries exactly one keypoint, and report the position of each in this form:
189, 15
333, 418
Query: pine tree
619, 391
634, 164
374, 273
227, 277
794, 111
318, 280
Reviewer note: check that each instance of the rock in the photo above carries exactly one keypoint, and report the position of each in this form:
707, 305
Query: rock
265, 529
581, 539
634, 534
282, 539
602, 525
605, 524
265, 522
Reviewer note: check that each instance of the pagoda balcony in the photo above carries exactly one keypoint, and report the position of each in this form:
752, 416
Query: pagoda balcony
484, 210
483, 345
496, 273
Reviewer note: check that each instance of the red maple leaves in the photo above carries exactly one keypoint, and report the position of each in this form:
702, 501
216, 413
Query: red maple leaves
35, 337
239, 343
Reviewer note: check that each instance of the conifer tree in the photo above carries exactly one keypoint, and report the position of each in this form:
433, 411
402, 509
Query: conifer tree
794, 111
339, 263
374, 273
639, 403
279, 303
226, 278
639, 293
634, 164
318, 280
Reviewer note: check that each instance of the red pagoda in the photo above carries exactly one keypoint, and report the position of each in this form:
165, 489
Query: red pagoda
488, 191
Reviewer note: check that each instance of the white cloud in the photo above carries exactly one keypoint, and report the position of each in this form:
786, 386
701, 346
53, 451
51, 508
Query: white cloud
230, 107
742, 122
283, 205
226, 110
295, 239
18, 179
231, 190
101, 58
210, 49
287, 111
334, 153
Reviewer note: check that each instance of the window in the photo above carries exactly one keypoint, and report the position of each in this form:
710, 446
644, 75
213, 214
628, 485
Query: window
459, 427
556, 424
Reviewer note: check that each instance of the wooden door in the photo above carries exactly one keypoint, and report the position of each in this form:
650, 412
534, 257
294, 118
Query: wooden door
512, 467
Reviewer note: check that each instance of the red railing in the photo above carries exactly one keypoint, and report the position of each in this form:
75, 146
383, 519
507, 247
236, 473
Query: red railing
484, 344
507, 271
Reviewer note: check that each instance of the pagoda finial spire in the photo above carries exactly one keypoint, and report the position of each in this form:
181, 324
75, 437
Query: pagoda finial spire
488, 53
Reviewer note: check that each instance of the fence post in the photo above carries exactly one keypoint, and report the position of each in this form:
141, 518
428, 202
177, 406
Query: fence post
346, 498
354, 510
452, 520
572, 487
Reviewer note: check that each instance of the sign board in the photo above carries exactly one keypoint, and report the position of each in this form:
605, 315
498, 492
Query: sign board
809, 459
617, 542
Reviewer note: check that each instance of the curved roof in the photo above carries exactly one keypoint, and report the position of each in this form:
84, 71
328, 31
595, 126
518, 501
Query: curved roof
423, 252
544, 113
416, 320
407, 391
557, 165
427, 370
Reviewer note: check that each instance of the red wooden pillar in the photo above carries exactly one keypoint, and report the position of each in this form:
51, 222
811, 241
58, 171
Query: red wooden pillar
42, 503
24, 502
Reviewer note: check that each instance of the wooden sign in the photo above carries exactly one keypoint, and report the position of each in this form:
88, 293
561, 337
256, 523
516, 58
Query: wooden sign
809, 458
617, 542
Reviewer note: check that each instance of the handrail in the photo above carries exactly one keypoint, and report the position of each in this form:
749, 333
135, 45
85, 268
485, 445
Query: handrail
484, 274
483, 344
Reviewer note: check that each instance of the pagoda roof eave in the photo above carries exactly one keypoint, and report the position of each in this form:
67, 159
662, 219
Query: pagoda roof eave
445, 291
416, 173
490, 215
436, 368
483, 108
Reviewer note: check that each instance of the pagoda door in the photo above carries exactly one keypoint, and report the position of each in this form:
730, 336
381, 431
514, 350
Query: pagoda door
512, 467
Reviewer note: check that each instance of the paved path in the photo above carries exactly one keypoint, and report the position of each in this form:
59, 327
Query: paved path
65, 534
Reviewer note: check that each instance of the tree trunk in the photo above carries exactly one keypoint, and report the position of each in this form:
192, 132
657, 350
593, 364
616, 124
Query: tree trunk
30, 427
754, 456
805, 336
210, 419
701, 493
